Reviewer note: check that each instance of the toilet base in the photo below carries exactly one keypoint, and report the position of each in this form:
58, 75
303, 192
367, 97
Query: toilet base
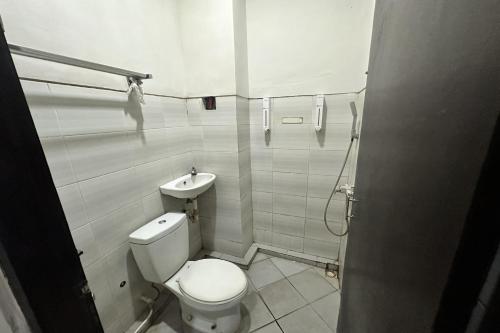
224, 321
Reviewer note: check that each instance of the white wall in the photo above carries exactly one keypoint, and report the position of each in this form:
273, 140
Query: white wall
240, 47
136, 35
108, 155
294, 169
206, 29
308, 47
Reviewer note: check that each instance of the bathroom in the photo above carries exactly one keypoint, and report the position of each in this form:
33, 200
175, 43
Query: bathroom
227, 143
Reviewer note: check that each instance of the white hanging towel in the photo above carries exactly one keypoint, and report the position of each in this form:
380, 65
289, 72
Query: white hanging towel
136, 89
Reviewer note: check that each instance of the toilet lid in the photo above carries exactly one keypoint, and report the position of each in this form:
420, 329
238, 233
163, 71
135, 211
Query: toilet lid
213, 280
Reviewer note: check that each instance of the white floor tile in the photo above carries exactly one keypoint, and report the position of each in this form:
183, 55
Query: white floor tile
254, 313
289, 267
271, 328
263, 273
303, 320
328, 309
282, 298
311, 285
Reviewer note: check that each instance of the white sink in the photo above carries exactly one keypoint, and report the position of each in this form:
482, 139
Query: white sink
188, 186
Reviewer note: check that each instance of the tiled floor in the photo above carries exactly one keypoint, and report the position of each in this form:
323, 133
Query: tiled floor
285, 296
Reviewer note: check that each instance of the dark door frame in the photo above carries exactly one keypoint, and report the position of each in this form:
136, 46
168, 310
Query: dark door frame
38, 253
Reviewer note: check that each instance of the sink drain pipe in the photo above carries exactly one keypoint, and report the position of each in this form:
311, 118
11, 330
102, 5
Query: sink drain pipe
191, 209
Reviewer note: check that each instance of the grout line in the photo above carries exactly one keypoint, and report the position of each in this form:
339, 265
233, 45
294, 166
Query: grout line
279, 326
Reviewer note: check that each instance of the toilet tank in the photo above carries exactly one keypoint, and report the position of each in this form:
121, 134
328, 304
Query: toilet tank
161, 247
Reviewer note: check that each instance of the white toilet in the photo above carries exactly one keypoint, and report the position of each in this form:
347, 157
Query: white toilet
209, 290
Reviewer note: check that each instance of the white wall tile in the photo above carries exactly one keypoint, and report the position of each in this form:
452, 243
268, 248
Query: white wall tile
288, 242
321, 248
262, 159
262, 201
246, 185
87, 111
122, 267
109, 192
316, 206
290, 136
263, 236
288, 225
148, 116
220, 138
223, 227
262, 181
178, 140
73, 206
196, 137
171, 204
290, 160
113, 230
289, 205
175, 112
243, 137
227, 187
332, 136
194, 108
242, 111
320, 186
262, 220
149, 145
301, 106
98, 154
246, 210
58, 160
225, 113
154, 174
255, 111
153, 206
42, 111
216, 206
228, 247
181, 164
316, 229
338, 110
244, 162
85, 241
290, 183
326, 162
260, 139
104, 301
222, 163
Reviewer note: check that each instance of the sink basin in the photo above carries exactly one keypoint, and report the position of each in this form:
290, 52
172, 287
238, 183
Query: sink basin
188, 187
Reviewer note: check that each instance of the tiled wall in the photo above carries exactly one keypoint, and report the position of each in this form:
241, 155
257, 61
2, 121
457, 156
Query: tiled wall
293, 171
225, 209
108, 156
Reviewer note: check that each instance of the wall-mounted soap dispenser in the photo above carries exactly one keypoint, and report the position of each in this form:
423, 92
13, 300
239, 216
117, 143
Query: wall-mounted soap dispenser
318, 112
266, 110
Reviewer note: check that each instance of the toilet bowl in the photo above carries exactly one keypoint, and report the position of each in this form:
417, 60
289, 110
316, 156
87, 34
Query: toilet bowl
209, 290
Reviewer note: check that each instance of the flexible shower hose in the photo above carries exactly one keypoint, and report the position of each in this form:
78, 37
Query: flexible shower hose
333, 193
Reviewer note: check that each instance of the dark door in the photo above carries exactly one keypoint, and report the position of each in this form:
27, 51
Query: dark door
39, 255
431, 105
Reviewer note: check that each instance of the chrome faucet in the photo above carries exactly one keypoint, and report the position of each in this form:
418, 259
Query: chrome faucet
193, 171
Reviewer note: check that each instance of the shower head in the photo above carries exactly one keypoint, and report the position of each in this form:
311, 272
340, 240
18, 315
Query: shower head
354, 112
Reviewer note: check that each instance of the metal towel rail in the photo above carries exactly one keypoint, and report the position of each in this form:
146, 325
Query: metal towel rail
28, 52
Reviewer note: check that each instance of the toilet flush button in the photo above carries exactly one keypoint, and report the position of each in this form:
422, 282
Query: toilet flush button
162, 221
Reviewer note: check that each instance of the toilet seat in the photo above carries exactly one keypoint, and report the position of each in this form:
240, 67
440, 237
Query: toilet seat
213, 281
